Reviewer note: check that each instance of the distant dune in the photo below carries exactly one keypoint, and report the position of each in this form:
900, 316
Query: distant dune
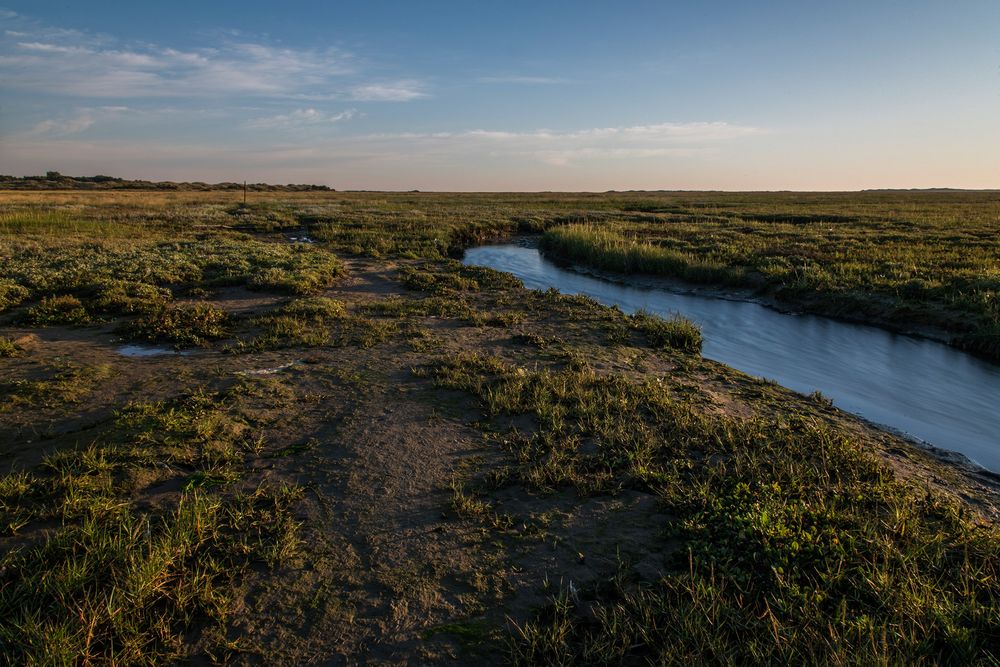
53, 180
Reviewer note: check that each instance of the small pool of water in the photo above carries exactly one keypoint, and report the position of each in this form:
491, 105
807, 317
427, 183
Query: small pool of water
147, 351
926, 389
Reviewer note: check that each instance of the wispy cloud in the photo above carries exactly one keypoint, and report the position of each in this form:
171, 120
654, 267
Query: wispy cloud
523, 80
61, 127
57, 61
236, 69
564, 148
46, 48
657, 132
665, 154
662, 143
82, 119
301, 118
397, 91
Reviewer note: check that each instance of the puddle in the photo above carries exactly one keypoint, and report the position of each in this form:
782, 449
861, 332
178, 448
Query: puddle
149, 351
269, 371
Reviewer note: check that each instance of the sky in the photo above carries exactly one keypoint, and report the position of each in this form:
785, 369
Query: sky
507, 96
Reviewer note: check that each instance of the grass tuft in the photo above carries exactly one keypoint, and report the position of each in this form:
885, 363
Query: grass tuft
677, 332
182, 325
53, 310
784, 541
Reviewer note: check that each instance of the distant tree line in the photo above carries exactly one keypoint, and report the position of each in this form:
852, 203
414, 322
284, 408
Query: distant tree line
53, 180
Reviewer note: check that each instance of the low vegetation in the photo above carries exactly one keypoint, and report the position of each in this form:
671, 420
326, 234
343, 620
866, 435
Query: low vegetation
182, 325
786, 542
377, 451
126, 583
927, 264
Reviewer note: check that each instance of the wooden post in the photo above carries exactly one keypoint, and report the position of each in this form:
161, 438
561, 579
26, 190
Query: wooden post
244, 193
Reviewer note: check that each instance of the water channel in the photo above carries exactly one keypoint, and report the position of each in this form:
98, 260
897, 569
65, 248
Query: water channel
923, 388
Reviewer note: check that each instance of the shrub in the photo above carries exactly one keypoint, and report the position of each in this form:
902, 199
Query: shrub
318, 308
123, 297
677, 332
11, 294
181, 325
62, 309
8, 348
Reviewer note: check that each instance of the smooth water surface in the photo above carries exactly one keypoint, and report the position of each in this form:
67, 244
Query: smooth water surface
926, 389
145, 351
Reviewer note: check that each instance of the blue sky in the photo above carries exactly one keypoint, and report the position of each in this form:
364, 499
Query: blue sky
507, 96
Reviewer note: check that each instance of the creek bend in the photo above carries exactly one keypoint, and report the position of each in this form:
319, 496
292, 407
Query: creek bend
923, 388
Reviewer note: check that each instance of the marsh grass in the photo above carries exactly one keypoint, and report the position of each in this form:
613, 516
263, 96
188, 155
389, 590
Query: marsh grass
11, 294
907, 260
186, 325
138, 275
303, 322
676, 332
453, 287
61, 309
930, 261
61, 224
63, 383
316, 322
9, 348
606, 249
787, 542
128, 588
122, 297
782, 539
264, 216
119, 582
448, 277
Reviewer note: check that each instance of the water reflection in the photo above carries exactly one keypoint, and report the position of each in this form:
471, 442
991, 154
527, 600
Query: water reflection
929, 390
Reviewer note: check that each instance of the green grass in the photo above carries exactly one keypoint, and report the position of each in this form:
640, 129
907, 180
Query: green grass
131, 276
62, 383
11, 294
115, 582
316, 322
675, 332
924, 262
305, 322
121, 297
787, 542
127, 588
780, 537
63, 309
904, 260
182, 325
8, 348
606, 249
60, 224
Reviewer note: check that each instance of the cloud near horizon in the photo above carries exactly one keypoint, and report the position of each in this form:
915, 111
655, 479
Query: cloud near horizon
253, 106
300, 118
543, 147
567, 147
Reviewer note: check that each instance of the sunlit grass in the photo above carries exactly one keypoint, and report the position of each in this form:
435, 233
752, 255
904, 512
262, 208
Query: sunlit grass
63, 224
110, 581
905, 273
784, 540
